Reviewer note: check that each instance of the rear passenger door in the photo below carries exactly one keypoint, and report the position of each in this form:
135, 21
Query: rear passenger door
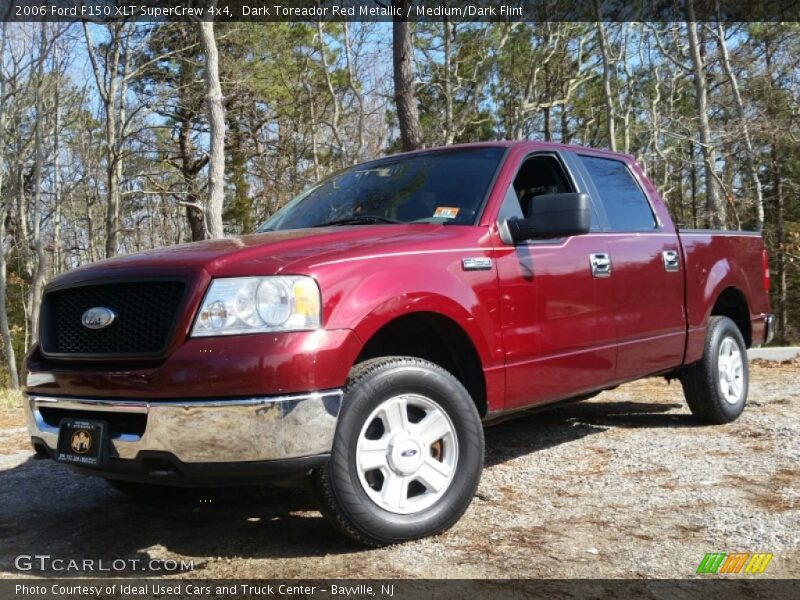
646, 270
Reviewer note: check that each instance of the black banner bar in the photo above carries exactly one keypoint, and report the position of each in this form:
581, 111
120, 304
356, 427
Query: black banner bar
387, 10
416, 589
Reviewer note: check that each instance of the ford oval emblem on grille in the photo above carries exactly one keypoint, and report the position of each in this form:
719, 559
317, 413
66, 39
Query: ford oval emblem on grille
98, 317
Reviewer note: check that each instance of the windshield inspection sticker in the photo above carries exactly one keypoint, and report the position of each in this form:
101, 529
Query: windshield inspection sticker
445, 212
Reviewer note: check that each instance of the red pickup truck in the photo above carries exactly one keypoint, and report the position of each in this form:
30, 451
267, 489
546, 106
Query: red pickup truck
361, 339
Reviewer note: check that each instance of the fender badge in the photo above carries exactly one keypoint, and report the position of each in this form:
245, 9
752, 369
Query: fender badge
476, 264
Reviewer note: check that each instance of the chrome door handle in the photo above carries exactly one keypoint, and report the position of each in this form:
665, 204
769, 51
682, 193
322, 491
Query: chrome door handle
671, 260
600, 264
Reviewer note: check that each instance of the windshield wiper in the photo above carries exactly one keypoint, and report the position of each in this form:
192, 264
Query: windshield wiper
360, 219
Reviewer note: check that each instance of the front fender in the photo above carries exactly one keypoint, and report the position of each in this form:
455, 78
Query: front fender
365, 299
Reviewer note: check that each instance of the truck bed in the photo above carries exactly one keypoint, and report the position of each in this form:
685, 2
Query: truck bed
710, 256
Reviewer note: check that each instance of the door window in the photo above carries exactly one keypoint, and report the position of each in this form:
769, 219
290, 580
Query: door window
625, 203
539, 176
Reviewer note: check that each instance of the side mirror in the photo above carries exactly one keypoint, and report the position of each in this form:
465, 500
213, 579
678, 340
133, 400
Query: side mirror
552, 216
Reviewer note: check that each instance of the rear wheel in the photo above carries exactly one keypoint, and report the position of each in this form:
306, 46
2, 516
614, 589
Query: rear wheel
407, 455
716, 387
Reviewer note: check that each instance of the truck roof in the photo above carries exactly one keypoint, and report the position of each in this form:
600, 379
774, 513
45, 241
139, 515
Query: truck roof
532, 144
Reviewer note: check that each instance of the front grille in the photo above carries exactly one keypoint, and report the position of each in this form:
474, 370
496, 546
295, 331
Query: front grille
144, 311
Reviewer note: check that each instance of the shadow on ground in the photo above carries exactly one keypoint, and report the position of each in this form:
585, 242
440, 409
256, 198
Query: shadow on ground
49, 509
535, 431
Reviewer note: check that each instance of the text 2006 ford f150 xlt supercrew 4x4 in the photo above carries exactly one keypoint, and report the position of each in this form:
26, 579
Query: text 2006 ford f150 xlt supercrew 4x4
363, 336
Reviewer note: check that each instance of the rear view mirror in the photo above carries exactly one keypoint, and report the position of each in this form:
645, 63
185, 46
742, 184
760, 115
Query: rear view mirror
552, 216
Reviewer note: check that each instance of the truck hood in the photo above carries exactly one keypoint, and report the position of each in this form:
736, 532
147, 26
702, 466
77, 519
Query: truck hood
262, 253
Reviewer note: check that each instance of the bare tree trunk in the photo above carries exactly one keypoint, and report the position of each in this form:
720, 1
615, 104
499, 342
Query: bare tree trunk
189, 166
40, 272
112, 183
449, 131
216, 120
112, 206
108, 96
609, 100
693, 177
312, 107
715, 210
566, 136
57, 210
627, 106
776, 157
404, 95
357, 155
5, 330
780, 235
337, 110
677, 177
189, 169
655, 134
750, 160
119, 148
548, 134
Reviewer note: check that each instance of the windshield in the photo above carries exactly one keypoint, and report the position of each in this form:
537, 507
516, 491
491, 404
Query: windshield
434, 187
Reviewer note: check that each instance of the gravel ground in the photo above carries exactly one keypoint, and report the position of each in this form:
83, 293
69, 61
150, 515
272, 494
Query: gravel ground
624, 485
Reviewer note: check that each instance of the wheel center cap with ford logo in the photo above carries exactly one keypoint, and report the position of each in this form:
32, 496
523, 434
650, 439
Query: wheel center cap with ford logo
405, 455
98, 317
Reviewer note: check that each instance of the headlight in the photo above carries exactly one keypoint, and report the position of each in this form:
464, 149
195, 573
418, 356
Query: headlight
258, 304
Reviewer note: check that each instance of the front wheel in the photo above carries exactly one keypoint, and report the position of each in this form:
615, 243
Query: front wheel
407, 455
716, 387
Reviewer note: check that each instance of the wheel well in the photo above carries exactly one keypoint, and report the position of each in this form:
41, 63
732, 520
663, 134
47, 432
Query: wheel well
731, 304
436, 338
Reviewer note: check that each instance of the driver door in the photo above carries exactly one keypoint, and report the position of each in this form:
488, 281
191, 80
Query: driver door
557, 317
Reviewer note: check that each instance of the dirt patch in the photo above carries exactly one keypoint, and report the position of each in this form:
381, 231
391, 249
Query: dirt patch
10, 418
762, 363
780, 493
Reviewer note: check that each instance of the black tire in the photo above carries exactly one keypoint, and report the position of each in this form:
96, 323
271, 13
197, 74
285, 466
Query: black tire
702, 386
342, 498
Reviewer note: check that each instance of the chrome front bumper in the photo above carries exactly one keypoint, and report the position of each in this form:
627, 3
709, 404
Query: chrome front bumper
208, 431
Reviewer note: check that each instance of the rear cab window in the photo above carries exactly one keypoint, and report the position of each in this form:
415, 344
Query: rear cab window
624, 201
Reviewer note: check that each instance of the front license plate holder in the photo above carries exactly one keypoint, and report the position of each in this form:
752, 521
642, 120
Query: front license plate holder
82, 442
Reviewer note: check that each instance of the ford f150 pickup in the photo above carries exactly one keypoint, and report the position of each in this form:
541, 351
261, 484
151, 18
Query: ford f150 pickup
360, 340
